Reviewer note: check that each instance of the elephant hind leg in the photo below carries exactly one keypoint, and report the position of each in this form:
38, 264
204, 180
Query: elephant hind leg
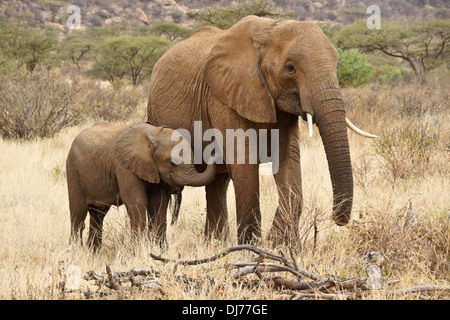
77, 217
97, 214
78, 212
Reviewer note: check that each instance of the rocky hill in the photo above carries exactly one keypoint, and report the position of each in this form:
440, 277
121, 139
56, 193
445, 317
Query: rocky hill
96, 13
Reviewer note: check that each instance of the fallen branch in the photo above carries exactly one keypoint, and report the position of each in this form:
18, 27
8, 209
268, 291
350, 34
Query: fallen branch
262, 255
424, 288
314, 286
152, 283
327, 296
92, 275
112, 283
249, 267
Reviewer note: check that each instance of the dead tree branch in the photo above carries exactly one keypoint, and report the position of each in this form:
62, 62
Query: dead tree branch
112, 282
262, 255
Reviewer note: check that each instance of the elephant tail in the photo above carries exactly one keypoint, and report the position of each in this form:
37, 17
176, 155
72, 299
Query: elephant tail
175, 204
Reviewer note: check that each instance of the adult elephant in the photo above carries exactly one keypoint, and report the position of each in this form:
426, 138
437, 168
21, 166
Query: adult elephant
260, 74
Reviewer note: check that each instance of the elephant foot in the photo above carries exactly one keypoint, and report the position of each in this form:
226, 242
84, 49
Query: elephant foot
284, 233
341, 220
342, 208
249, 235
278, 240
163, 245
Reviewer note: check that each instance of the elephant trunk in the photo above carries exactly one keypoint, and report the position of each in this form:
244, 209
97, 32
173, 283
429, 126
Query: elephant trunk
330, 119
191, 177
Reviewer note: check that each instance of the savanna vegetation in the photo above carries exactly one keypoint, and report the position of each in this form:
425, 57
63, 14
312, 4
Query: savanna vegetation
54, 82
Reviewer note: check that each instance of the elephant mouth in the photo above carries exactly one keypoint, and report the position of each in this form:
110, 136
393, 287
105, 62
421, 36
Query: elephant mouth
177, 188
310, 119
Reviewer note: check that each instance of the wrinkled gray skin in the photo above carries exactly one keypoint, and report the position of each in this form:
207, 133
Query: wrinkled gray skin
128, 164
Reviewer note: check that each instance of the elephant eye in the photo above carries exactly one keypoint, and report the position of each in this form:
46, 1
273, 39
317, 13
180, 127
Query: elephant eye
173, 165
290, 67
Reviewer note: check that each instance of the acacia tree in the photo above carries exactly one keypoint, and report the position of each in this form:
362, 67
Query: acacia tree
27, 45
76, 48
171, 30
423, 45
79, 46
128, 56
225, 17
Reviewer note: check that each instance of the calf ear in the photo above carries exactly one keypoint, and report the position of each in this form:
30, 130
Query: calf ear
134, 151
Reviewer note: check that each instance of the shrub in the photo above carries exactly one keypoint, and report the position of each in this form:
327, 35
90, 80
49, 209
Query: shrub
112, 104
393, 76
354, 69
36, 103
381, 107
411, 239
177, 16
404, 152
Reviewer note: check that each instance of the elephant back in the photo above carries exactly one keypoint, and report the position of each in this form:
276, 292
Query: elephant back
177, 95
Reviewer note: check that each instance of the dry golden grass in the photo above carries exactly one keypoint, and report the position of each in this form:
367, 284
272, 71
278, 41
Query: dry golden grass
34, 225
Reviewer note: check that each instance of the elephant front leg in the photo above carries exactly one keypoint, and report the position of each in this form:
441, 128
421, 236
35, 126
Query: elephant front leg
289, 184
158, 222
246, 187
134, 195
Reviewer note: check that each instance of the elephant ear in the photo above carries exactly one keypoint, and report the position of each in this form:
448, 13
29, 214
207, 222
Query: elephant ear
134, 151
233, 72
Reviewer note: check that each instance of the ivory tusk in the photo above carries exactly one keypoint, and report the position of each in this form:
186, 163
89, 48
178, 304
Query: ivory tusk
310, 124
359, 131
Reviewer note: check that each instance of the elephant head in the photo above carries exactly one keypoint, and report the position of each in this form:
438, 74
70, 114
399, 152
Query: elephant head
146, 150
261, 66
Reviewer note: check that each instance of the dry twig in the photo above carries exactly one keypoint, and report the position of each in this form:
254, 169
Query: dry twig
112, 282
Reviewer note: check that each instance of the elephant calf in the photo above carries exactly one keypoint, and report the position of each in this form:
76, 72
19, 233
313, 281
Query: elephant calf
127, 164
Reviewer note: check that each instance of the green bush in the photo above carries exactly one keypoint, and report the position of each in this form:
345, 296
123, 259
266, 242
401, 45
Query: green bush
177, 16
36, 103
353, 69
393, 76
